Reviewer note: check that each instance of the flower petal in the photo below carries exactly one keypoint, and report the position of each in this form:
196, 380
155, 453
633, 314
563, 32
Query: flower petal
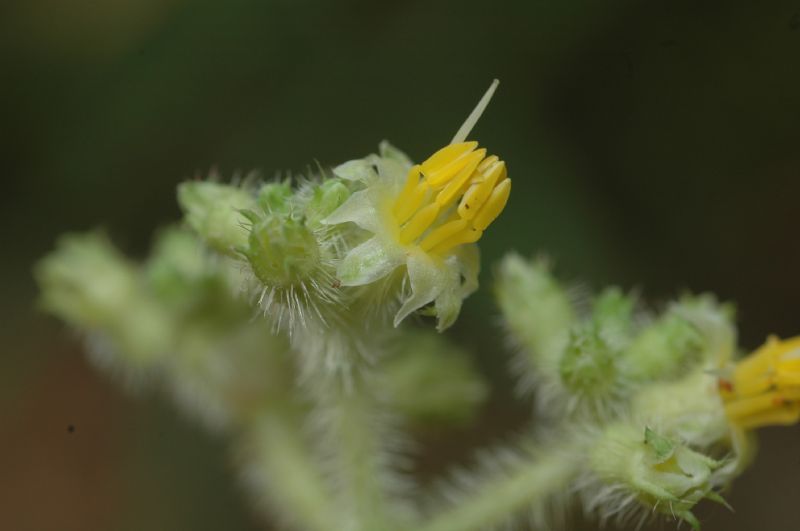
428, 278
358, 170
360, 208
393, 165
469, 263
368, 262
461, 281
448, 305
388, 151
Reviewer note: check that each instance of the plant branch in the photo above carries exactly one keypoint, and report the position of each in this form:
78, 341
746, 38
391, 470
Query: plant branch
500, 498
284, 471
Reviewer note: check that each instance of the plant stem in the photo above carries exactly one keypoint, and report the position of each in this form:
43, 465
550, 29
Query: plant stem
360, 461
288, 476
500, 498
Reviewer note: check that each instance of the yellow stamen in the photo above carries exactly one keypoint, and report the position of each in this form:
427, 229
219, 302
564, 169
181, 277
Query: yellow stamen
765, 386
459, 182
477, 194
493, 206
778, 417
424, 209
446, 160
415, 201
457, 170
468, 235
412, 181
441, 233
421, 221
488, 161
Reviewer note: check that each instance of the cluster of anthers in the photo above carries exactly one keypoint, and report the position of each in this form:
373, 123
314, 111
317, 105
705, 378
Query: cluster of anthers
764, 388
424, 218
431, 191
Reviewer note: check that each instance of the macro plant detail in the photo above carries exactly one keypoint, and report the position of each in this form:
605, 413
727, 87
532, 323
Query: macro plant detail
277, 312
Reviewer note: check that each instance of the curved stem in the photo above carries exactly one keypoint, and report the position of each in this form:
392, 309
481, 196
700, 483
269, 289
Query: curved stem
499, 499
360, 461
287, 474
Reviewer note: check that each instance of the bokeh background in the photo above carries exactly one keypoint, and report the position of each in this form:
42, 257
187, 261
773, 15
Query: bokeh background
654, 145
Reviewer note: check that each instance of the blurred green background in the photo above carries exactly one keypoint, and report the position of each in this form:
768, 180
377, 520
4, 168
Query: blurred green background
655, 145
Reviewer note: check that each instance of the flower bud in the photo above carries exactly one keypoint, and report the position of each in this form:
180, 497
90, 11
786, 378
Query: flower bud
588, 366
612, 313
536, 309
281, 250
275, 197
664, 350
658, 471
86, 280
90, 285
176, 265
213, 211
326, 198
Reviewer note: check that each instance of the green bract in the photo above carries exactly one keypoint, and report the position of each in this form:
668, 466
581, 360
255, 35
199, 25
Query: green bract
214, 211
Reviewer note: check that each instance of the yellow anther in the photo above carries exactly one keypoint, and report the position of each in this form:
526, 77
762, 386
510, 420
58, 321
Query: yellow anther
412, 180
488, 161
421, 221
424, 209
457, 184
773, 417
789, 375
441, 233
403, 211
447, 162
493, 206
765, 386
446, 155
468, 235
477, 194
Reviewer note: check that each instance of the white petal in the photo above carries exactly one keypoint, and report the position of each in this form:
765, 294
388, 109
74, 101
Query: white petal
469, 263
388, 151
368, 262
358, 170
448, 303
360, 208
461, 281
393, 166
427, 278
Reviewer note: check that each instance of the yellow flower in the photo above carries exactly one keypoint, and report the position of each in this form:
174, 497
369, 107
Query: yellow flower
425, 216
764, 388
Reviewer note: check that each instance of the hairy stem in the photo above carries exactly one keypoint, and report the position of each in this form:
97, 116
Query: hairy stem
500, 498
360, 461
289, 477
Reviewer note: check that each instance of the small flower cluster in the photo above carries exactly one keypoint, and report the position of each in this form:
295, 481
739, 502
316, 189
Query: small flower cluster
663, 405
643, 412
406, 230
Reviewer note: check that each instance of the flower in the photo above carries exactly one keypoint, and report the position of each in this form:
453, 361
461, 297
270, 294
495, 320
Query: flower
425, 216
662, 472
764, 388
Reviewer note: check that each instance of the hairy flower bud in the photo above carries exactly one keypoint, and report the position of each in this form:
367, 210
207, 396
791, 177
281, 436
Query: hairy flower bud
325, 198
275, 198
214, 211
536, 309
280, 249
658, 471
90, 285
663, 350
588, 366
